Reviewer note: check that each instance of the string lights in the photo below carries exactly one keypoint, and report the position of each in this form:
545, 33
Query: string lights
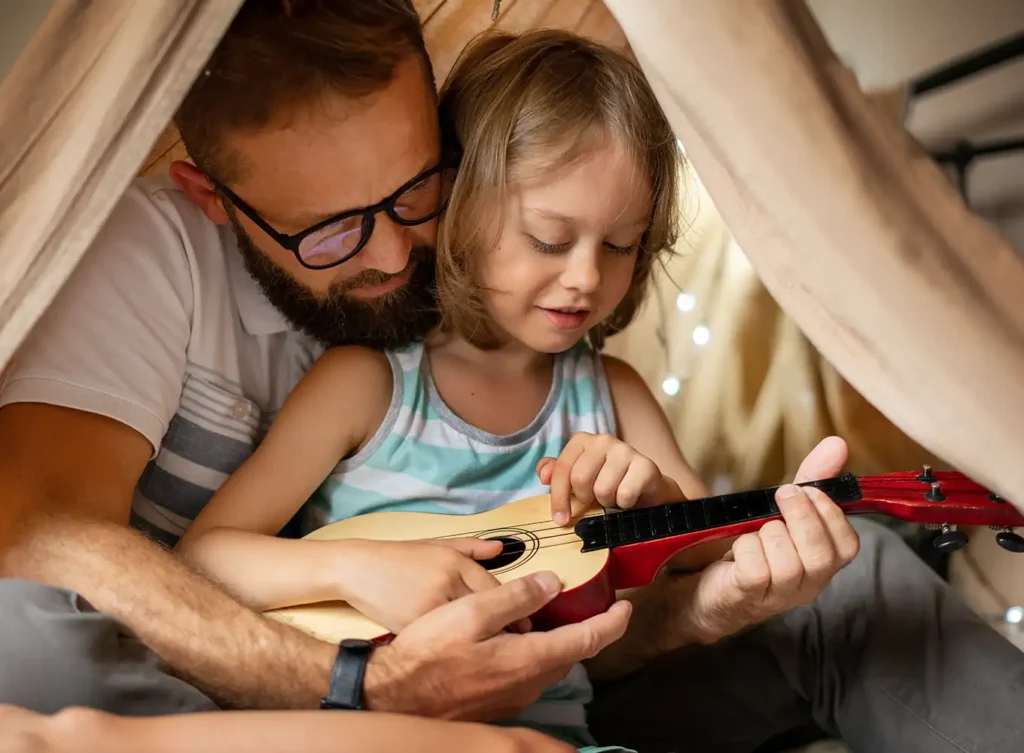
686, 305
701, 335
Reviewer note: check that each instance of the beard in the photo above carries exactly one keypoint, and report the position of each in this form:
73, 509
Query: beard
395, 319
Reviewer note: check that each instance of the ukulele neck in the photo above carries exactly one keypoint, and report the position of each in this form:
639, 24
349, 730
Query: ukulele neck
626, 527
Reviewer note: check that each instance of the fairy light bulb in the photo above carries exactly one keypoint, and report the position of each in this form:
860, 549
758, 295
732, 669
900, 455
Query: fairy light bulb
701, 335
1015, 615
670, 385
686, 302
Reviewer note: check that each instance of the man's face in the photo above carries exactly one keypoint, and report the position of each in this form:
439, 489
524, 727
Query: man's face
333, 156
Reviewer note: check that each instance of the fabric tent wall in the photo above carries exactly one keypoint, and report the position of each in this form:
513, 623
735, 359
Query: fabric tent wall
82, 105
850, 226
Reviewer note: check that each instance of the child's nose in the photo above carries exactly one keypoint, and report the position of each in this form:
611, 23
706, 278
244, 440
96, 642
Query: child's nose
582, 272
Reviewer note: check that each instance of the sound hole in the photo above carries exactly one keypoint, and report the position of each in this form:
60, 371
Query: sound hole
511, 550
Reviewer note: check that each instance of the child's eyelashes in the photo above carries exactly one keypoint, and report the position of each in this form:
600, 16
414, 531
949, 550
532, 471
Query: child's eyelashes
548, 248
555, 248
624, 250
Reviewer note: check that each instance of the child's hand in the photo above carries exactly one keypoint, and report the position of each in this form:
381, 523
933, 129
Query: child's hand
395, 582
604, 469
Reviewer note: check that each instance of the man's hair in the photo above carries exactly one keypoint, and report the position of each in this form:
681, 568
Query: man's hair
278, 55
520, 107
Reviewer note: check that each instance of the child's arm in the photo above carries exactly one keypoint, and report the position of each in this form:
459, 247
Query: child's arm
333, 410
644, 427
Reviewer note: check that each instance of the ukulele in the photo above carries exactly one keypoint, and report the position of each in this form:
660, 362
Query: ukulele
597, 553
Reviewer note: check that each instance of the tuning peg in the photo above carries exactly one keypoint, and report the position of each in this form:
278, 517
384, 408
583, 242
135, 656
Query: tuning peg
1010, 541
925, 476
935, 493
950, 540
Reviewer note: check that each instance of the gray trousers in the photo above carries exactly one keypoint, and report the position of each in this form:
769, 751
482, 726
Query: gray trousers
57, 651
886, 658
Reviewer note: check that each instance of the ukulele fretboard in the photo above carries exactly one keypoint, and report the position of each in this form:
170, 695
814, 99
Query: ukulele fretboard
649, 523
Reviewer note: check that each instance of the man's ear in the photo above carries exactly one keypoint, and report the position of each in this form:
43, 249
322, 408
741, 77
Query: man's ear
199, 189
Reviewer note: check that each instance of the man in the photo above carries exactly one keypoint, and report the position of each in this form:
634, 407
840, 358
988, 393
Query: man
166, 355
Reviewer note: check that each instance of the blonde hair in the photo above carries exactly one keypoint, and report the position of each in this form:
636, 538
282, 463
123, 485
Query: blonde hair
517, 106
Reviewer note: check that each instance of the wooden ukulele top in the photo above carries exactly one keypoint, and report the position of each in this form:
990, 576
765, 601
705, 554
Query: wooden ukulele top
542, 546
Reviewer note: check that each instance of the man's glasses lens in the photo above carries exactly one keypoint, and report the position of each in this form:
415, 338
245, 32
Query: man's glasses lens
418, 203
325, 246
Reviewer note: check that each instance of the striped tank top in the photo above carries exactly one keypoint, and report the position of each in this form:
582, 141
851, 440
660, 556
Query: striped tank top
424, 458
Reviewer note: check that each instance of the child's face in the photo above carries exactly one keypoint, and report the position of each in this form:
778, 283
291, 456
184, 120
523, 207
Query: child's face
567, 250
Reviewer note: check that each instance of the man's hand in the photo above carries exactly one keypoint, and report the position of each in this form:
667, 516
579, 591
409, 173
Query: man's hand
602, 469
395, 582
459, 662
784, 565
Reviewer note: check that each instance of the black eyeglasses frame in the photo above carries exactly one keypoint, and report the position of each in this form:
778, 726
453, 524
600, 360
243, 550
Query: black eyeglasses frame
386, 205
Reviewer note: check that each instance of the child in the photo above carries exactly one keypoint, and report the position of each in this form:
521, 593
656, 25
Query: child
565, 196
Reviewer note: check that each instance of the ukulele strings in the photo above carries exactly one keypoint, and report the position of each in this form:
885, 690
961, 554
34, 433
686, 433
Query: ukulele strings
561, 543
514, 528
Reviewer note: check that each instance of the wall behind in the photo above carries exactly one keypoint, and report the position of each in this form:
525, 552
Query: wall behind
888, 43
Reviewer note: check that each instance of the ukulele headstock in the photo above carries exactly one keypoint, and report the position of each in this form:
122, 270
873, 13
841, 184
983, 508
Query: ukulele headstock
941, 500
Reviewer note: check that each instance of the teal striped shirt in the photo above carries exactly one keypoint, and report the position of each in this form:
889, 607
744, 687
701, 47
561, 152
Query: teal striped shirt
424, 458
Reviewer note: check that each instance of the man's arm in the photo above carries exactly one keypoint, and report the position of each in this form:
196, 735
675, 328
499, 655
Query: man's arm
85, 731
67, 478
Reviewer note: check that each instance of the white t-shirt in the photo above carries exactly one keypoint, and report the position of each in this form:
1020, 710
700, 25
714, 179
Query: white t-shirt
161, 327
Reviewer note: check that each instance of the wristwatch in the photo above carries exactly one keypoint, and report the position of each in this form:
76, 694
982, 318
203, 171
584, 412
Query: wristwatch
346, 689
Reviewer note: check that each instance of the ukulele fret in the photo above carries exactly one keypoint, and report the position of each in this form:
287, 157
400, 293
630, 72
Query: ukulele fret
715, 512
697, 515
678, 518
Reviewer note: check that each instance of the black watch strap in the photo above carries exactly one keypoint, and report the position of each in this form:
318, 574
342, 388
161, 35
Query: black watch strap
346, 690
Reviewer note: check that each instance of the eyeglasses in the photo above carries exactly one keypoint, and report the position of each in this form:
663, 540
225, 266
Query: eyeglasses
337, 239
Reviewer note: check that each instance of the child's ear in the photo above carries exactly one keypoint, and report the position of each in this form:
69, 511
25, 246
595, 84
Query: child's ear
200, 190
